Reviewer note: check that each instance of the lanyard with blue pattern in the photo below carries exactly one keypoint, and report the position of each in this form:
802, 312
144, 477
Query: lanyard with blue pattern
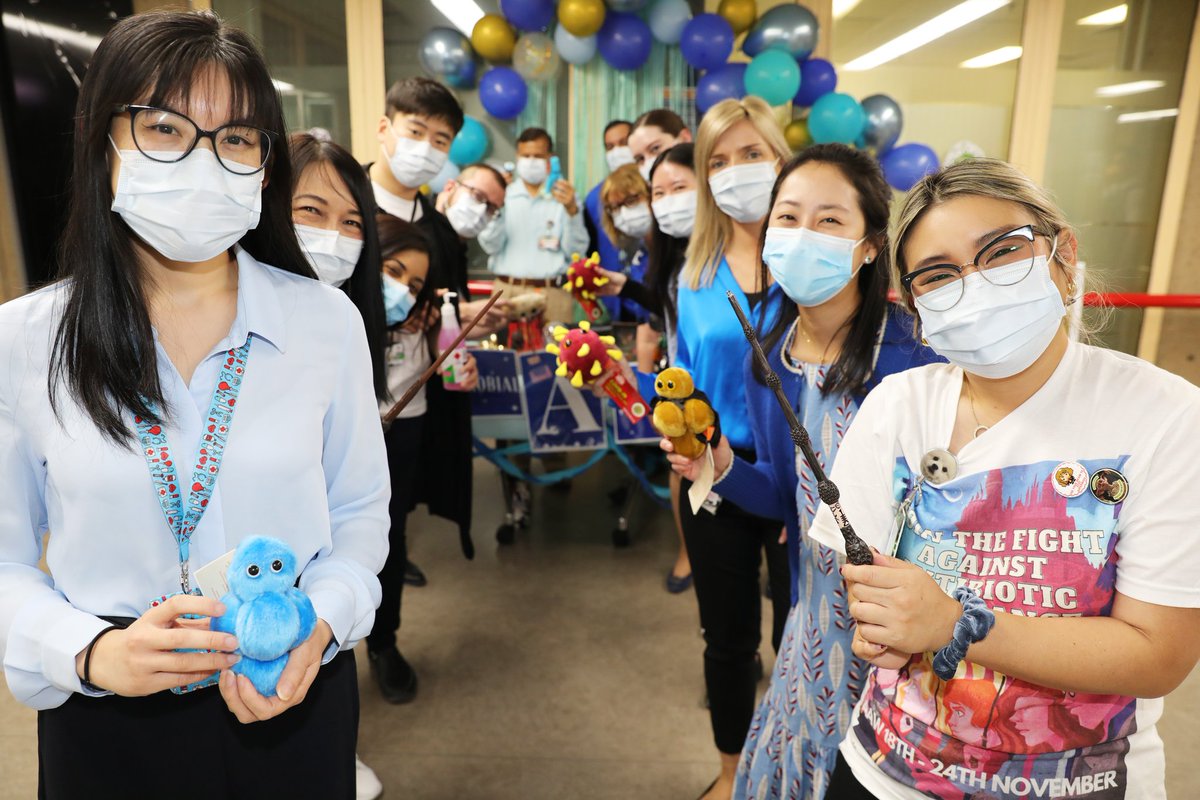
183, 521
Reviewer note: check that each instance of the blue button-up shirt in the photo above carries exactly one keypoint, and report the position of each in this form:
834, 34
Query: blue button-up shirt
516, 238
304, 463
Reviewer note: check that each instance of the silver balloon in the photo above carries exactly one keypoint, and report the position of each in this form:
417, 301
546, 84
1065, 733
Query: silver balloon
446, 55
788, 27
884, 121
626, 5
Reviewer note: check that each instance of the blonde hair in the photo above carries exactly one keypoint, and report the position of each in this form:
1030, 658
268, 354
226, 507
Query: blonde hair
628, 181
713, 227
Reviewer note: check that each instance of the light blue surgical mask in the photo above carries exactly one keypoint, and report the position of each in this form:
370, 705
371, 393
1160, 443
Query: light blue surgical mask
810, 267
398, 300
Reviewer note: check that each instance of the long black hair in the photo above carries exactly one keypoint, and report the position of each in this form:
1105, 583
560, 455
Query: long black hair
364, 287
104, 346
852, 369
666, 252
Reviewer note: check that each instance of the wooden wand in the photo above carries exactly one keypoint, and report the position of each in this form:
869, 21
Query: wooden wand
857, 551
395, 410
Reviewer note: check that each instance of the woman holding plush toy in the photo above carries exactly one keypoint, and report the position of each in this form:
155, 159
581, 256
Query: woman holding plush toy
825, 245
738, 153
170, 349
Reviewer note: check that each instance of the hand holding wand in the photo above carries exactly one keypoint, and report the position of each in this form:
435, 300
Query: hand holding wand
857, 551
395, 410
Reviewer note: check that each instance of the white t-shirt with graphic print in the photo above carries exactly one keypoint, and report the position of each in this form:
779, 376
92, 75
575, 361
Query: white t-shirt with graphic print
1090, 487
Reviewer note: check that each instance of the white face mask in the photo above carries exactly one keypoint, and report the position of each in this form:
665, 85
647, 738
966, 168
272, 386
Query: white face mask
996, 331
190, 210
415, 163
332, 256
467, 215
634, 221
645, 168
676, 213
532, 170
743, 191
618, 157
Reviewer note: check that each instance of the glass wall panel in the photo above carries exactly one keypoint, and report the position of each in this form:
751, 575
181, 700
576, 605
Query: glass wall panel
1116, 94
305, 45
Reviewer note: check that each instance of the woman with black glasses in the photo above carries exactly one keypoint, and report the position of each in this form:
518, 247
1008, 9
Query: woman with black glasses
1034, 593
185, 385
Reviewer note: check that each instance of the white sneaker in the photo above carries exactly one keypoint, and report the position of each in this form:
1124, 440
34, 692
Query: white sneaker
366, 782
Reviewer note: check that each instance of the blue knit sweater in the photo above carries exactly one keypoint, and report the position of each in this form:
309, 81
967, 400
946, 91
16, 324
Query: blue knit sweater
768, 487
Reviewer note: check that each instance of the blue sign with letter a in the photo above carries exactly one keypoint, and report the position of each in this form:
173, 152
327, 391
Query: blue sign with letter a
560, 417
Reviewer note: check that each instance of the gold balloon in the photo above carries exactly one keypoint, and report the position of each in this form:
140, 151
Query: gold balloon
739, 13
581, 17
493, 38
797, 134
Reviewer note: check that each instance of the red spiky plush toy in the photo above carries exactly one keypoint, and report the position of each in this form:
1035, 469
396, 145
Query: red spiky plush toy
583, 281
585, 355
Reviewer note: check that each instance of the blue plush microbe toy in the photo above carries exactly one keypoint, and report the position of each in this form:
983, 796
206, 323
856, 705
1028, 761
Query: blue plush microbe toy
264, 610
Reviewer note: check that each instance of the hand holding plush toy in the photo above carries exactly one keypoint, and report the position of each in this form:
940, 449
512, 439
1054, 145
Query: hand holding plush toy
265, 611
586, 355
584, 279
683, 414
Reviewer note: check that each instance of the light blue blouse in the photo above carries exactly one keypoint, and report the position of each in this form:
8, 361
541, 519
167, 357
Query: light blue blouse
305, 463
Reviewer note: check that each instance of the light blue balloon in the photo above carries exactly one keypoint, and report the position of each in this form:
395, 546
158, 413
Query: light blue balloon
448, 172
574, 49
471, 143
774, 76
836, 117
667, 19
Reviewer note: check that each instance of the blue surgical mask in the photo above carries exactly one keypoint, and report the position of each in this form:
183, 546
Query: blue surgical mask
810, 267
398, 300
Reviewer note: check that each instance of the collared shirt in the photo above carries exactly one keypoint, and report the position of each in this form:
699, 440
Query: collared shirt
304, 463
397, 206
532, 237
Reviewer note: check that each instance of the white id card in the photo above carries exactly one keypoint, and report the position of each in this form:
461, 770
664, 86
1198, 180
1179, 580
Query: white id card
212, 579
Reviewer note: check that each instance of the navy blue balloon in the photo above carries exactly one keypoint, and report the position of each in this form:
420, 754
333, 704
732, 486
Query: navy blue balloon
503, 92
528, 15
817, 79
719, 84
903, 166
707, 41
624, 40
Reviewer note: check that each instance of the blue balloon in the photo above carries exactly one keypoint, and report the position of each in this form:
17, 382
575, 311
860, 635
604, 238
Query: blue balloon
706, 41
574, 49
720, 83
449, 171
903, 166
503, 92
528, 15
667, 19
471, 143
624, 40
817, 79
836, 117
774, 76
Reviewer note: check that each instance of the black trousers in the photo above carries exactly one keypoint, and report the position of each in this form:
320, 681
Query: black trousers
844, 786
191, 746
725, 551
403, 441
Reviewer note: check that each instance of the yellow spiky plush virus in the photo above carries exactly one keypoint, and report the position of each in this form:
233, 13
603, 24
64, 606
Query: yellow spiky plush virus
583, 276
582, 353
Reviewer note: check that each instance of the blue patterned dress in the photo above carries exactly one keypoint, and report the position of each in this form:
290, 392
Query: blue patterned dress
792, 745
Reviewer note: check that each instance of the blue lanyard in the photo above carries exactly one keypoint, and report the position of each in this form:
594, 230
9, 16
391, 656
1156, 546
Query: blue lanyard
181, 520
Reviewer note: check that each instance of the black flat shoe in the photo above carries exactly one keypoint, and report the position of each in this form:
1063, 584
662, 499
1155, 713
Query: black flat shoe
413, 575
709, 789
396, 678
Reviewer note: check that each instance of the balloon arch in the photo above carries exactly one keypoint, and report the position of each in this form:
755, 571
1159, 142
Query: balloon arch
780, 43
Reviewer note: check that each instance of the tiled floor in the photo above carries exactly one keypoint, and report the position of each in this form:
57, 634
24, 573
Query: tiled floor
554, 668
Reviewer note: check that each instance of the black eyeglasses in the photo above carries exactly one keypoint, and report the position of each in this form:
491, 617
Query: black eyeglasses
479, 197
168, 136
1004, 261
631, 201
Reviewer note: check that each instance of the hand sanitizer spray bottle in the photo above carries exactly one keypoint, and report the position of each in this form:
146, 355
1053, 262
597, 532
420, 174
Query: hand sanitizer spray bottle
454, 363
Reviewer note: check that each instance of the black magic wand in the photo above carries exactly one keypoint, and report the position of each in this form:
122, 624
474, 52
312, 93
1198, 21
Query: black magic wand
857, 551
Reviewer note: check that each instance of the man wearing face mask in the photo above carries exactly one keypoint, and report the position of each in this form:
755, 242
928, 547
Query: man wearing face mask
473, 199
532, 239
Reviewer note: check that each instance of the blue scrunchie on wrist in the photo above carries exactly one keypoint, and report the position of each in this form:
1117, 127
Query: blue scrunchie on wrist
974, 624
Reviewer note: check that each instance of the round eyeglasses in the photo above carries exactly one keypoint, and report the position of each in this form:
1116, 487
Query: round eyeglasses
168, 136
1004, 261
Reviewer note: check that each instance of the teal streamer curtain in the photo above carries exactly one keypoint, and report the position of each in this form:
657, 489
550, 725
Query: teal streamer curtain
603, 94
541, 109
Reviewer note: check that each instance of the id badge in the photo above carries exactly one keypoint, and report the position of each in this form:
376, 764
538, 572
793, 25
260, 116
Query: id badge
711, 503
904, 513
548, 242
